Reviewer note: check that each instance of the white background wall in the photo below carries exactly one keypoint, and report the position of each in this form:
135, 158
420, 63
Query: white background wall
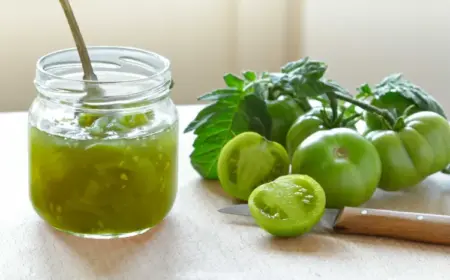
202, 38
365, 40
361, 40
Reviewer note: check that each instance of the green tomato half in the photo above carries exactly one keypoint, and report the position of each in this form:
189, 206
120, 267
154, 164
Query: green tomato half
418, 150
284, 111
249, 160
289, 206
343, 162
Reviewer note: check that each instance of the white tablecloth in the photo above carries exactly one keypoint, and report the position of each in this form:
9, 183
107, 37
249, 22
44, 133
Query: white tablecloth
197, 242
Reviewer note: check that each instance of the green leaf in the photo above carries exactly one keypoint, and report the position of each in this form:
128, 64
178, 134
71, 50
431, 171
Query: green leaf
306, 88
202, 117
280, 85
213, 132
364, 91
279, 79
292, 65
261, 90
257, 114
265, 75
249, 76
333, 86
304, 79
397, 92
310, 69
219, 122
233, 81
220, 93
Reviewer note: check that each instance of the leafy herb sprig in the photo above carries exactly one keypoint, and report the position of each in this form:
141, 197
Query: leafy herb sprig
235, 110
241, 106
395, 91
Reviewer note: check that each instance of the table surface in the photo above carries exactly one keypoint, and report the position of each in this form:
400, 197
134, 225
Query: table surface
197, 242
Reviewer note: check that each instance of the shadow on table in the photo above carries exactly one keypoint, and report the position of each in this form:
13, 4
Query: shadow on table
211, 189
320, 244
331, 245
392, 243
211, 186
430, 196
103, 257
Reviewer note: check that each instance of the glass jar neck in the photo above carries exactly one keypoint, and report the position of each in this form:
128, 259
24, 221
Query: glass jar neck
127, 77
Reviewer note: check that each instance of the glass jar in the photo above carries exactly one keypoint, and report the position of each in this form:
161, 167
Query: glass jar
103, 154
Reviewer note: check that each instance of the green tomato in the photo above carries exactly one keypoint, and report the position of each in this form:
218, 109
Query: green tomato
289, 206
306, 125
303, 127
249, 160
343, 162
374, 122
418, 150
284, 111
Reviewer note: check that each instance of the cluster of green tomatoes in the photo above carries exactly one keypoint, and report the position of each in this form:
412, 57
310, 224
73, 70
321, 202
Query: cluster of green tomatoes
288, 183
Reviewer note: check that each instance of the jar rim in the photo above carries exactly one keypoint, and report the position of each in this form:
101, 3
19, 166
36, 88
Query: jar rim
40, 65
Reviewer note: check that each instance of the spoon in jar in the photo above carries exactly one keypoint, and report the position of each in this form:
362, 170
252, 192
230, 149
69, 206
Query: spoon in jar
92, 88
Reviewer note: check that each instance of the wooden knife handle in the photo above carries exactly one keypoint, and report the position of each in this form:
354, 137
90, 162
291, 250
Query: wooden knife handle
429, 228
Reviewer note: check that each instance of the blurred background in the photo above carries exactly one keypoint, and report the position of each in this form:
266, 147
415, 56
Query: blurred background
360, 40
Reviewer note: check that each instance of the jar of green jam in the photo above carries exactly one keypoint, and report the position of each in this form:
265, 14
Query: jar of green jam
103, 153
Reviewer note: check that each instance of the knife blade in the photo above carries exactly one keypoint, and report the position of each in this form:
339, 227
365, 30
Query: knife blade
421, 227
239, 209
325, 224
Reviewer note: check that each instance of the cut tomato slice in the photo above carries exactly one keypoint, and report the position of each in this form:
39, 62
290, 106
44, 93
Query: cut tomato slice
289, 206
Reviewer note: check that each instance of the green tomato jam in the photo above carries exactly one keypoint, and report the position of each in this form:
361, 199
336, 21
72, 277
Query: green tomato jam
101, 183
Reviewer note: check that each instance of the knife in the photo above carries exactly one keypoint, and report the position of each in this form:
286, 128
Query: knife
421, 227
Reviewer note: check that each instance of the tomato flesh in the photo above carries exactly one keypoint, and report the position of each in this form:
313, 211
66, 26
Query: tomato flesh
289, 206
249, 160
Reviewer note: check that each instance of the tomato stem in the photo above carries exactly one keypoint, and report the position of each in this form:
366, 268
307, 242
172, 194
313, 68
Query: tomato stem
399, 124
349, 121
253, 83
372, 109
333, 105
303, 103
326, 119
408, 110
446, 170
